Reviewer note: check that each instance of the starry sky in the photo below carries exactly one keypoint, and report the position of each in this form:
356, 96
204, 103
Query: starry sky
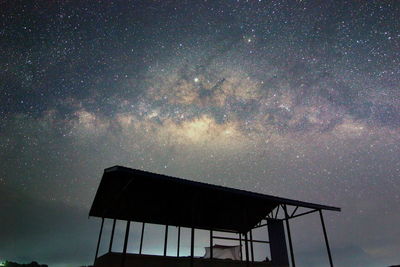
298, 99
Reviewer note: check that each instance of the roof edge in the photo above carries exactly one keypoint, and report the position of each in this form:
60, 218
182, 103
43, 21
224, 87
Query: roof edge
281, 200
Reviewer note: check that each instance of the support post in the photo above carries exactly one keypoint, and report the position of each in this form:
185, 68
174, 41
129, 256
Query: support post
194, 197
179, 241
112, 236
166, 240
246, 241
98, 241
192, 248
326, 238
211, 244
251, 246
247, 249
289, 236
240, 244
141, 239
128, 223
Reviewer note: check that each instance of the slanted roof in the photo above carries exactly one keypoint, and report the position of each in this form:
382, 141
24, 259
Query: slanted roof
135, 195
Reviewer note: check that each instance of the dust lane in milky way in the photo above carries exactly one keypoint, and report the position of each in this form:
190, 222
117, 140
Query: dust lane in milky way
298, 99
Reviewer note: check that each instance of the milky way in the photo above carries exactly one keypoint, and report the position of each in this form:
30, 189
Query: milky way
299, 99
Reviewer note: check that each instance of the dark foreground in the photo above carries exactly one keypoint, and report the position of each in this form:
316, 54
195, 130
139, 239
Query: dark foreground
32, 264
114, 260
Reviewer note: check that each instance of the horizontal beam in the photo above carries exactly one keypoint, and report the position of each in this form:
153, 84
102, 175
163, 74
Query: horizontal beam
261, 225
237, 239
172, 225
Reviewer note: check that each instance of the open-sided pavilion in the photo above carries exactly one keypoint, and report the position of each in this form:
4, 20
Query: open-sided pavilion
138, 196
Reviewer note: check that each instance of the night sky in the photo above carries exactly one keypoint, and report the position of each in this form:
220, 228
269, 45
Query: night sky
299, 99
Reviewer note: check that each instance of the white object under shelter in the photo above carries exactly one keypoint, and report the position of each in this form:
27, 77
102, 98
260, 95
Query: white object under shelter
223, 252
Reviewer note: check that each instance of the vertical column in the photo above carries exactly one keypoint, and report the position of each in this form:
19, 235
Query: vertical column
326, 238
192, 248
194, 197
112, 236
247, 249
251, 246
128, 223
141, 240
166, 240
179, 241
240, 244
211, 245
289, 236
98, 241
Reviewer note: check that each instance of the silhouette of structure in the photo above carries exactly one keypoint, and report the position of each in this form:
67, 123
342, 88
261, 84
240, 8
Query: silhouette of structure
138, 196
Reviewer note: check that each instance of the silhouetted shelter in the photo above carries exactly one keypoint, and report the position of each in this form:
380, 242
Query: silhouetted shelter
138, 196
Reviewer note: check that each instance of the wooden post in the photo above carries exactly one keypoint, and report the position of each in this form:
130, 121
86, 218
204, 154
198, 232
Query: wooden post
98, 241
247, 249
112, 236
211, 244
179, 241
240, 244
128, 223
166, 240
141, 240
192, 248
251, 246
